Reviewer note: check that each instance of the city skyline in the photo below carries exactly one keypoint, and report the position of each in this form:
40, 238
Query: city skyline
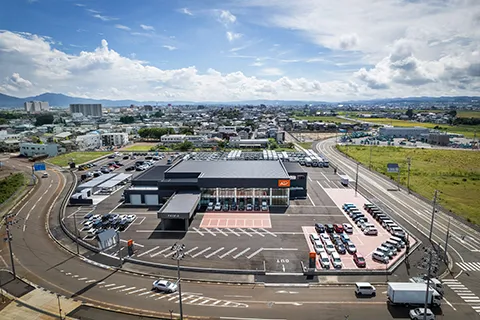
242, 50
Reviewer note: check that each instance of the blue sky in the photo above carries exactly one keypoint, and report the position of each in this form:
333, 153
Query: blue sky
243, 49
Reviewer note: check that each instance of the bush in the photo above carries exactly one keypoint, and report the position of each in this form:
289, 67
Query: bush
9, 185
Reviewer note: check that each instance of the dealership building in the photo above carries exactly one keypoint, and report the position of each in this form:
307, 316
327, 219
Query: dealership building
190, 185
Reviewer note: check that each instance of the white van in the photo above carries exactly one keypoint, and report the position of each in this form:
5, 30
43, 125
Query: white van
364, 289
324, 260
380, 256
336, 261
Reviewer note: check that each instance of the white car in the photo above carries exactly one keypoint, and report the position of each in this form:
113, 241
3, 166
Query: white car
45, 175
318, 247
314, 237
336, 261
87, 225
218, 206
96, 217
370, 232
329, 247
210, 206
164, 286
325, 237
249, 207
264, 206
419, 314
347, 227
131, 218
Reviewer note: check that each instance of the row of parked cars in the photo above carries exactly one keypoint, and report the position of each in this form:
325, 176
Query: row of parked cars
234, 207
94, 224
360, 219
386, 222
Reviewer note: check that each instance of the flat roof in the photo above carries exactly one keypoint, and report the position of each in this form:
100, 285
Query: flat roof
293, 167
180, 206
233, 169
154, 173
97, 181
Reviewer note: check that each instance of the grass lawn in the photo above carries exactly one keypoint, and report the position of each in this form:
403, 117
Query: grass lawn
467, 131
305, 145
78, 157
139, 147
455, 173
9, 185
323, 119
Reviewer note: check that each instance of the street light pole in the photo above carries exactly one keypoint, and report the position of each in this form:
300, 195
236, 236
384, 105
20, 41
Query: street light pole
76, 232
356, 180
433, 215
446, 240
9, 240
408, 175
428, 286
179, 255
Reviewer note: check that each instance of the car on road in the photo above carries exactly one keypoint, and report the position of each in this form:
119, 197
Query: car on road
365, 289
329, 228
351, 248
338, 228
320, 228
218, 206
45, 175
359, 260
164, 286
318, 246
347, 227
112, 156
125, 157
314, 237
421, 314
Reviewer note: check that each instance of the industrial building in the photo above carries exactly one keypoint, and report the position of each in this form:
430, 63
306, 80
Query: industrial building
400, 132
190, 185
36, 106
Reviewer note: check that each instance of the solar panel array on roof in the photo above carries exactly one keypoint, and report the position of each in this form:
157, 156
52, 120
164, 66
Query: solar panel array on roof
97, 181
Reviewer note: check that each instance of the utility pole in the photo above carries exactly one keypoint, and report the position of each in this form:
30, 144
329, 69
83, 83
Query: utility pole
433, 215
356, 179
8, 221
59, 307
370, 163
428, 285
179, 255
446, 240
76, 232
408, 175
119, 249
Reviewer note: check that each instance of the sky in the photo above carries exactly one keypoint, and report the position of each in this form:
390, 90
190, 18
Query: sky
232, 50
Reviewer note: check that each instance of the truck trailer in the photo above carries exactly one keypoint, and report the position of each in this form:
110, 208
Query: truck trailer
412, 294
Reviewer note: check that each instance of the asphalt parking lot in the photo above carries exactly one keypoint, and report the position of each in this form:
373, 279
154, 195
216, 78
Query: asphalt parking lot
276, 243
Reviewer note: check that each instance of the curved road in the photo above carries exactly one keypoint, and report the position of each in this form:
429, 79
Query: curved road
43, 262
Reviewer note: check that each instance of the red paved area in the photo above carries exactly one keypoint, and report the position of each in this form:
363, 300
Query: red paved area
236, 220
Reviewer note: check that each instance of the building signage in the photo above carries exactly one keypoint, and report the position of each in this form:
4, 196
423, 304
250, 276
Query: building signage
293, 177
283, 183
173, 216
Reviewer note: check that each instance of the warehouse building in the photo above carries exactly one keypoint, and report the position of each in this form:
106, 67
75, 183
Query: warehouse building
400, 132
190, 185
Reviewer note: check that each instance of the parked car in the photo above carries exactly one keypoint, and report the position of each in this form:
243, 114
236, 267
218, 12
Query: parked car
88, 216
329, 247
314, 237
324, 236
347, 227
320, 228
329, 228
233, 206
348, 205
351, 248
249, 207
210, 206
318, 246
131, 218
336, 261
225, 207
380, 256
130, 168
218, 206
264, 206
338, 228
359, 260
345, 238
340, 248
370, 232
164, 286
324, 260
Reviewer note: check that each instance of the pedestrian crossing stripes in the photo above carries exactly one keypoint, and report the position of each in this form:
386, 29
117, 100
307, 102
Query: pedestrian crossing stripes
203, 252
250, 232
190, 298
469, 266
463, 292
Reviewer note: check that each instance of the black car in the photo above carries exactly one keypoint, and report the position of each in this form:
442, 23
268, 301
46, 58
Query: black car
340, 248
125, 157
241, 207
233, 206
329, 228
225, 207
130, 168
111, 156
319, 228
256, 207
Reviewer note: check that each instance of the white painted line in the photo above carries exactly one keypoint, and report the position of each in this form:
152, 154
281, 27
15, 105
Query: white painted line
90, 281
245, 232
115, 288
448, 302
238, 255
280, 249
193, 249
255, 253
144, 293
255, 231
108, 285
313, 204
75, 276
134, 243
204, 302
160, 252
225, 254
310, 179
164, 296
127, 289
325, 177
172, 298
209, 231
214, 252
203, 251
169, 254
147, 252
81, 279
216, 302
270, 233
198, 231
225, 234
195, 300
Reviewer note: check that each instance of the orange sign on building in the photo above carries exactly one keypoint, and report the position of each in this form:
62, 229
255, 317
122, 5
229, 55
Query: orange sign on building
283, 183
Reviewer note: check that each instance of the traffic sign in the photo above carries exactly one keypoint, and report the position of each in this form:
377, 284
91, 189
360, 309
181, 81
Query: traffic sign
392, 167
39, 166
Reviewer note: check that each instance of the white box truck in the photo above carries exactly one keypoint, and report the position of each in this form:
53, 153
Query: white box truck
412, 294
344, 180
434, 283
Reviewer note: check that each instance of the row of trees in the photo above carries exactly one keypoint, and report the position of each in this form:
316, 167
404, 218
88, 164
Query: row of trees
467, 121
154, 133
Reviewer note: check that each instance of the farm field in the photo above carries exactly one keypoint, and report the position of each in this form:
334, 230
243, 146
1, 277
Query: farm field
323, 119
454, 173
142, 146
78, 157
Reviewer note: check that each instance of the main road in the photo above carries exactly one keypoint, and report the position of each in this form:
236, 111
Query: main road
415, 214
43, 262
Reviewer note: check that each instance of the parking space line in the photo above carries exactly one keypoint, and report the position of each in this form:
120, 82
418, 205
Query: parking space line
198, 231
219, 230
208, 230
115, 288
204, 302
169, 254
243, 231
90, 281
147, 252
144, 293
160, 252
225, 254
193, 249
238, 255
216, 302
143, 219
255, 231
255, 253
214, 252
163, 296
81, 279
172, 298
233, 232
108, 285
270, 233
308, 196
203, 251
127, 289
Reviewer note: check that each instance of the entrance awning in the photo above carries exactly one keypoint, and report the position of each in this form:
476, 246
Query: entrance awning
181, 205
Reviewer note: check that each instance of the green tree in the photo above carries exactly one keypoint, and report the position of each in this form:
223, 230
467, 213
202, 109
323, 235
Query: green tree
222, 144
409, 113
186, 130
127, 119
184, 146
272, 143
46, 118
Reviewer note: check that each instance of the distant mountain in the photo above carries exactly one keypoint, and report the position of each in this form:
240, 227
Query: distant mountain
61, 100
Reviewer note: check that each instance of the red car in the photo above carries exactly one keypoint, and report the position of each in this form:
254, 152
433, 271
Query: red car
359, 260
338, 228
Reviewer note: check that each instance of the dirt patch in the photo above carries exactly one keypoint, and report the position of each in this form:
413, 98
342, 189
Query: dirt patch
313, 136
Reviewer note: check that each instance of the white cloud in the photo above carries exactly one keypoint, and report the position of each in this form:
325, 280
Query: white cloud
104, 18
231, 36
15, 83
169, 47
79, 5
147, 28
271, 72
122, 27
186, 11
226, 17
92, 11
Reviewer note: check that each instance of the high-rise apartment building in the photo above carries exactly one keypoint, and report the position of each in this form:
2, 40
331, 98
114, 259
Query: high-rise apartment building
36, 106
94, 110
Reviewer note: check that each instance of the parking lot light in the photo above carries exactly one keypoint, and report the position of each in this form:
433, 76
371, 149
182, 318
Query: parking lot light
179, 255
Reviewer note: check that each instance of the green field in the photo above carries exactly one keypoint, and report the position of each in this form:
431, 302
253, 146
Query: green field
468, 114
323, 119
9, 185
77, 157
455, 173
305, 145
143, 148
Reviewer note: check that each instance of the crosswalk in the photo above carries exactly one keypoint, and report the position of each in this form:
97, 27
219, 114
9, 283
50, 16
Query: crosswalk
201, 252
234, 232
463, 292
469, 266
191, 298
